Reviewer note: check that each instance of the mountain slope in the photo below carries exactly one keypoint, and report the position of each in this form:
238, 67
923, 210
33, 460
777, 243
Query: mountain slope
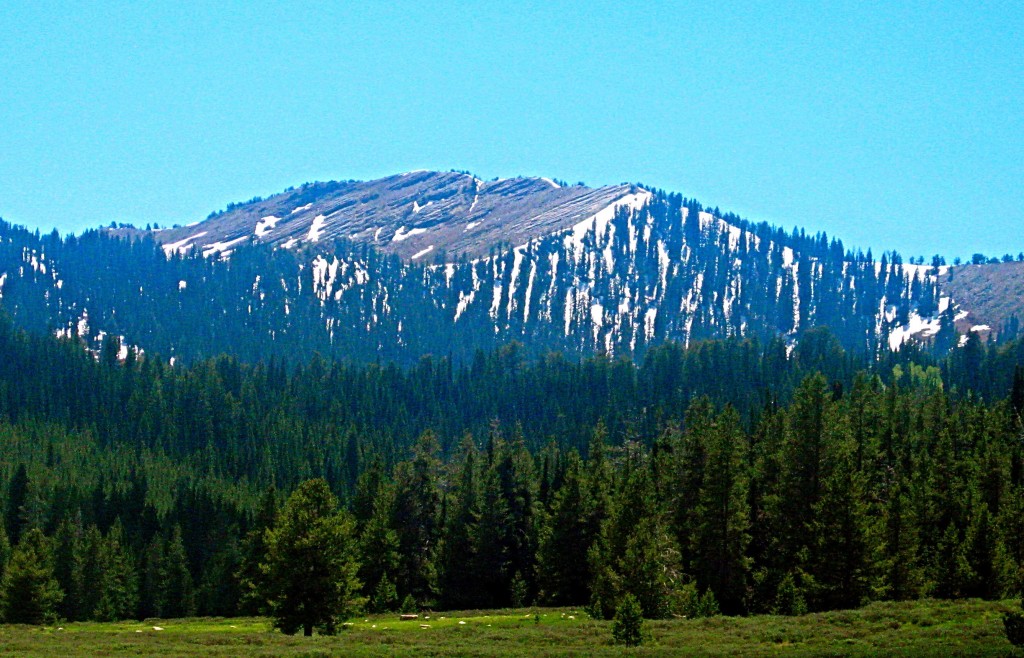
410, 215
446, 263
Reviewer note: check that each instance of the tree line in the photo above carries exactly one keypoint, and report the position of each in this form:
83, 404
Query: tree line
728, 476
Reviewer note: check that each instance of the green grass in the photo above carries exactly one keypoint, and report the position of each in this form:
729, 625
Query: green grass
930, 628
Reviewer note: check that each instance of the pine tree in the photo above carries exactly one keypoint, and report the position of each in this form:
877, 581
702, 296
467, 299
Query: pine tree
178, 593
843, 555
562, 571
89, 565
253, 552
5, 552
722, 521
310, 569
17, 497
459, 585
67, 569
151, 581
30, 593
636, 551
119, 587
416, 519
378, 546
629, 621
490, 535
901, 563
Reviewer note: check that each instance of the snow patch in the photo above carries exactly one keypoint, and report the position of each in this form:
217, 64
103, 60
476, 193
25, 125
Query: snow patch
265, 224
424, 252
464, 301
182, 284
302, 208
401, 235
218, 247
181, 246
551, 183
649, 318
916, 325
472, 225
316, 229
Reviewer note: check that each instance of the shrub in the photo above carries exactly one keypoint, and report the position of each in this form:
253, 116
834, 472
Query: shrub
629, 622
1013, 622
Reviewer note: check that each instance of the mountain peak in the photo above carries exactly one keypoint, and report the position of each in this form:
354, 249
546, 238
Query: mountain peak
411, 214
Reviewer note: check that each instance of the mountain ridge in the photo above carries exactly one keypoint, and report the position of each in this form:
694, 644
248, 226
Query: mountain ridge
410, 214
445, 263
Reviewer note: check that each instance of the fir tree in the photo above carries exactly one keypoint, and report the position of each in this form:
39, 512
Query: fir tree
721, 528
629, 621
29, 593
310, 568
177, 595
562, 570
119, 587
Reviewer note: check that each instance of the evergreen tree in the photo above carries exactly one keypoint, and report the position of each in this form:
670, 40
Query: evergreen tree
177, 595
416, 518
843, 553
17, 497
561, 571
253, 552
628, 626
459, 585
152, 579
378, 546
119, 587
30, 593
722, 521
67, 569
310, 568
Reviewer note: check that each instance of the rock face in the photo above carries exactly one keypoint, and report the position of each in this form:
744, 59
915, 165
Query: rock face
418, 215
445, 263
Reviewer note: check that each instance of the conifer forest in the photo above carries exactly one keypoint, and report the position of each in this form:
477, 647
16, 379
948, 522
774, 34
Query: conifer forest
729, 476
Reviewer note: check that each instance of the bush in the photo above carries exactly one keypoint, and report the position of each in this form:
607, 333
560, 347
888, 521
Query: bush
1013, 622
789, 598
409, 605
688, 602
629, 622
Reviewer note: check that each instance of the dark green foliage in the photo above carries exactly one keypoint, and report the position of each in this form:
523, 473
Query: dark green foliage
629, 622
17, 497
177, 595
253, 551
118, 587
416, 520
310, 567
888, 479
564, 578
1013, 622
29, 593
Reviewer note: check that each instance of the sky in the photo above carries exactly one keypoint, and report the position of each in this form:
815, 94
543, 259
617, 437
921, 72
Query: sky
891, 125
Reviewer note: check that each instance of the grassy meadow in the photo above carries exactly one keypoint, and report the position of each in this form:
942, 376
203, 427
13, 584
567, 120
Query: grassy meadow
938, 628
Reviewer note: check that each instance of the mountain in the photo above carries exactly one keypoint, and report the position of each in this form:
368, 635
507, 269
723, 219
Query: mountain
446, 263
410, 215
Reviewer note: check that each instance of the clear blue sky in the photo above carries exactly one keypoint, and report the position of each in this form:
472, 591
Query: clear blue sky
889, 125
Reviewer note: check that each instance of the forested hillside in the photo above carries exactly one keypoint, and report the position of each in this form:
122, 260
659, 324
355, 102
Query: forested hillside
730, 475
646, 268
